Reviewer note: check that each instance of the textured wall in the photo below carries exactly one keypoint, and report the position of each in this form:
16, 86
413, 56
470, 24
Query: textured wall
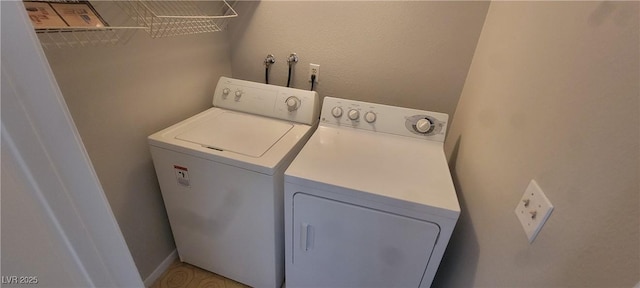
407, 53
117, 97
552, 94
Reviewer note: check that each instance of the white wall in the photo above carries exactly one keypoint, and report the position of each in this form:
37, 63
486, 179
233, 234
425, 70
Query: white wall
120, 95
552, 94
408, 53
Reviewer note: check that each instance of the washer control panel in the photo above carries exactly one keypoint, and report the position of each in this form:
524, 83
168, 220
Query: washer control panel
267, 100
384, 118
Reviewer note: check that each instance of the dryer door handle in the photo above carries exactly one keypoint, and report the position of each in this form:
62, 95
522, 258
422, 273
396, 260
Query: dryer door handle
306, 236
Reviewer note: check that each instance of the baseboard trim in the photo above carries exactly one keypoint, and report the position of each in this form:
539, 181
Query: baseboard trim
161, 268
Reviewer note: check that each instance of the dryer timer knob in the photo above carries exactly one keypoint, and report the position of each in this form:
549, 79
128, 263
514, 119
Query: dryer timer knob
423, 125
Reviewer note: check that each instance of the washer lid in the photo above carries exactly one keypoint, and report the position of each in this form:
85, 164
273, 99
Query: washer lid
239, 133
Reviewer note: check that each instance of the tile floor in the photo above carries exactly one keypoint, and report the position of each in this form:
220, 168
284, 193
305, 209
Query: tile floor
183, 275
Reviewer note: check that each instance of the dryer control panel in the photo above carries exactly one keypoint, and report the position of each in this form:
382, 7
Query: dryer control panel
284, 103
384, 118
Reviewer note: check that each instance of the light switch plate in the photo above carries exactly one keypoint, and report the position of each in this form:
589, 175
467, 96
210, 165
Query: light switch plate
533, 210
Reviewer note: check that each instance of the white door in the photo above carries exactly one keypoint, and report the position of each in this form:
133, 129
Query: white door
336, 244
57, 227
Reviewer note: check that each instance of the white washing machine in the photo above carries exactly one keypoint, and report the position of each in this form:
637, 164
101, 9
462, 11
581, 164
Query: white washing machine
221, 176
369, 200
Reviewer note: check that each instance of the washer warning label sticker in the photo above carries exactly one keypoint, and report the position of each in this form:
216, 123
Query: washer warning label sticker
182, 175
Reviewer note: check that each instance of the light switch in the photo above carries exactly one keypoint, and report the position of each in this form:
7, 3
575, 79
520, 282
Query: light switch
533, 210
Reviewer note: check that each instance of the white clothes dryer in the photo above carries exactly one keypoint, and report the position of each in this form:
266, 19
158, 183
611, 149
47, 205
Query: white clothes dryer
221, 176
369, 200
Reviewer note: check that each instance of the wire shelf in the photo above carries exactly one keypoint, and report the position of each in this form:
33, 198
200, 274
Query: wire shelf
122, 19
172, 18
116, 27
81, 36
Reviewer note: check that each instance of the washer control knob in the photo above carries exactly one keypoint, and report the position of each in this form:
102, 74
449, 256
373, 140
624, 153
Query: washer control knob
336, 112
225, 92
423, 125
354, 114
238, 94
370, 117
293, 103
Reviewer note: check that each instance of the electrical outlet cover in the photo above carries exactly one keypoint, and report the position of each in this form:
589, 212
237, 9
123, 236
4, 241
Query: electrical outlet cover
314, 69
533, 210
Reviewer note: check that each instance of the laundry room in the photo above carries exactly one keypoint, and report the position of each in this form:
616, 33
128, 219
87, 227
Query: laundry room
544, 91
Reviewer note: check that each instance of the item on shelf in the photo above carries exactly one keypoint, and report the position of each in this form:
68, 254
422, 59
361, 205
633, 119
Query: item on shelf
79, 14
43, 16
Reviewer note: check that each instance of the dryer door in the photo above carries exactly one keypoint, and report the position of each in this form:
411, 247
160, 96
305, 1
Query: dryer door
336, 244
